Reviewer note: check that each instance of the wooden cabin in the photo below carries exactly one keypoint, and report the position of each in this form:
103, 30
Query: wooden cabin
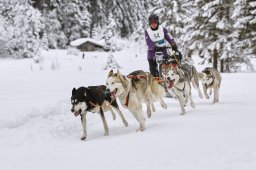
87, 44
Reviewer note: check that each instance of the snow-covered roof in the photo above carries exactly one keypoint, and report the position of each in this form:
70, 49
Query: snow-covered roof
80, 41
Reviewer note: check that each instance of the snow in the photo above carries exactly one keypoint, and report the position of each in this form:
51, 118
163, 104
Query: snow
80, 41
38, 131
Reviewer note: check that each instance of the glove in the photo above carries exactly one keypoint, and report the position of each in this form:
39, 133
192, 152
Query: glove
174, 46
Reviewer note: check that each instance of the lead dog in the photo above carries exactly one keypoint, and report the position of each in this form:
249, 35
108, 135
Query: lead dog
135, 89
94, 99
211, 80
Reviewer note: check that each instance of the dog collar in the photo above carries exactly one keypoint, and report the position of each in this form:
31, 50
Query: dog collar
182, 88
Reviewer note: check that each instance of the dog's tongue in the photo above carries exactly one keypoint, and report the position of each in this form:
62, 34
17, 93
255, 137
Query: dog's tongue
170, 84
113, 94
76, 114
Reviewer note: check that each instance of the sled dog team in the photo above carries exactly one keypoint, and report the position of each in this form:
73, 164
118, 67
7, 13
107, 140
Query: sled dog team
140, 88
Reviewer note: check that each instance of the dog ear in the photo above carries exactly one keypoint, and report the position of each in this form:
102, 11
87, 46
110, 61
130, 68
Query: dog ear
73, 91
118, 73
110, 73
85, 91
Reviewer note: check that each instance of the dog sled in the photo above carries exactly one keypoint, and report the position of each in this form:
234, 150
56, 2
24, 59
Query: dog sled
172, 59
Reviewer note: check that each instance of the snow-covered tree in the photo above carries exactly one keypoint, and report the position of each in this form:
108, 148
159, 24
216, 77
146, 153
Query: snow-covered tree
55, 35
67, 20
75, 19
172, 14
244, 35
175, 16
3, 39
139, 37
208, 33
126, 14
44, 42
111, 63
109, 33
23, 24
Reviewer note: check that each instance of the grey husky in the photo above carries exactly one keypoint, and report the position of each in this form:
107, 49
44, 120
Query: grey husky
192, 75
135, 89
211, 80
178, 84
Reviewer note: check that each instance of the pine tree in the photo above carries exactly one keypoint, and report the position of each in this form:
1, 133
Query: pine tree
3, 39
175, 16
23, 24
111, 63
208, 33
108, 34
126, 14
244, 36
75, 19
55, 35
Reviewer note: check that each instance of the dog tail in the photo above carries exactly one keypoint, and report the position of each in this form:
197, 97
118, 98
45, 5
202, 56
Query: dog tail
195, 76
156, 89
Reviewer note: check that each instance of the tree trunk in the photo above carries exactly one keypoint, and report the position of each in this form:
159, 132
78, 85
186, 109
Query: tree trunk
222, 66
215, 59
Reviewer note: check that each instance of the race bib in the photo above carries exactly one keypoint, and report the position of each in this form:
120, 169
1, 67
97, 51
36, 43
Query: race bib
157, 36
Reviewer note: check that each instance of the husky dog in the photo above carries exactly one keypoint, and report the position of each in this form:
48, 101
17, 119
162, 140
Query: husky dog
211, 79
135, 89
178, 84
94, 99
192, 74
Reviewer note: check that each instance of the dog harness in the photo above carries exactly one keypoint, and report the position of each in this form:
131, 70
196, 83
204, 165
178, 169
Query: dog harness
96, 105
137, 77
127, 100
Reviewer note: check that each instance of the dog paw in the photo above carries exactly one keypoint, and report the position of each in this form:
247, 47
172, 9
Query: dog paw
106, 134
83, 138
140, 129
149, 115
114, 118
193, 105
182, 113
207, 97
164, 106
125, 124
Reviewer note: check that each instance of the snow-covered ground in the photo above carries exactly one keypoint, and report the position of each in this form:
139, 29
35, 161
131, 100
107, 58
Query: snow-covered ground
38, 131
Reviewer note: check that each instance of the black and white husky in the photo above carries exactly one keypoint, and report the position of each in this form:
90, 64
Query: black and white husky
94, 99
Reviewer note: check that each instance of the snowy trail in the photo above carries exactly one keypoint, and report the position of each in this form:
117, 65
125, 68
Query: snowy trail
47, 136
